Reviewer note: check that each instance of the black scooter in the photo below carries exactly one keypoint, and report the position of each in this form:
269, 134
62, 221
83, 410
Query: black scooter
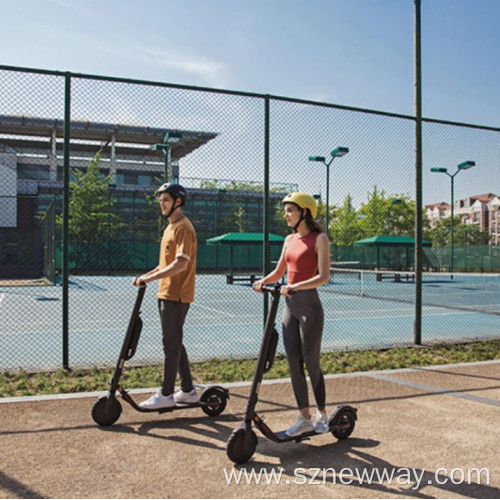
242, 443
107, 409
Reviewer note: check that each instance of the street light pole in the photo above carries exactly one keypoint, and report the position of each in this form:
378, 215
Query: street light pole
165, 146
463, 166
336, 153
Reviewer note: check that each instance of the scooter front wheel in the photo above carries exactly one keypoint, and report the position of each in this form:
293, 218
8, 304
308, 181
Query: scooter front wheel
344, 423
214, 400
106, 411
241, 445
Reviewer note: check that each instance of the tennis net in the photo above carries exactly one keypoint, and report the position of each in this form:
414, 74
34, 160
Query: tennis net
462, 291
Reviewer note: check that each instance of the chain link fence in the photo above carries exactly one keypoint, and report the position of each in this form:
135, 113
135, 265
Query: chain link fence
238, 154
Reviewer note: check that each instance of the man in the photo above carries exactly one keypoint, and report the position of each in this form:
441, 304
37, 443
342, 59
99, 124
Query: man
176, 274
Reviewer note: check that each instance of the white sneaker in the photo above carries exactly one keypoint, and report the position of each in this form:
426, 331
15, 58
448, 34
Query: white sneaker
158, 401
186, 397
301, 426
321, 424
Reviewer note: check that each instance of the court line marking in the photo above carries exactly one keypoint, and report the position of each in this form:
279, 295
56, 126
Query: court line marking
436, 390
218, 311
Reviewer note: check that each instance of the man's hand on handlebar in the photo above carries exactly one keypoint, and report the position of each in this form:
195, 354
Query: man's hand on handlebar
138, 281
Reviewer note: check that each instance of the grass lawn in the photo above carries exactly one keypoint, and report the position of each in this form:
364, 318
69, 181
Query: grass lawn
21, 383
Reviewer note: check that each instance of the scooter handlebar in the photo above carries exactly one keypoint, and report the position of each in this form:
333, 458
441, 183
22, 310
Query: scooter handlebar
140, 284
275, 288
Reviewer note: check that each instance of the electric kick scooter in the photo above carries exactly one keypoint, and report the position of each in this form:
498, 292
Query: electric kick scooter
107, 409
242, 443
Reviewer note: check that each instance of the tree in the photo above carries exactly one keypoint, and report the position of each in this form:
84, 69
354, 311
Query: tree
373, 214
346, 227
470, 234
90, 216
463, 234
239, 220
278, 221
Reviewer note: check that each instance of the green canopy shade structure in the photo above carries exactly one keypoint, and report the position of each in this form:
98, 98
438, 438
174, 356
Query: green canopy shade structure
237, 238
242, 252
401, 243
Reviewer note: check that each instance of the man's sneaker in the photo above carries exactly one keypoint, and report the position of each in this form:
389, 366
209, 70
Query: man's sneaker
321, 424
158, 401
301, 426
186, 397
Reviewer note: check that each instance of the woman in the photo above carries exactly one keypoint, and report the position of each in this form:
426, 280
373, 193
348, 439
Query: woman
306, 259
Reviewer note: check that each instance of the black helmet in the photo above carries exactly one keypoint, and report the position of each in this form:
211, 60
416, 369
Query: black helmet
174, 190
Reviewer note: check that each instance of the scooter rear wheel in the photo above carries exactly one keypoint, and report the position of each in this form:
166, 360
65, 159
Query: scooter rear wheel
344, 424
214, 401
106, 418
241, 446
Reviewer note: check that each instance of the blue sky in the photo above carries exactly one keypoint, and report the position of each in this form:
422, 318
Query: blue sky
349, 52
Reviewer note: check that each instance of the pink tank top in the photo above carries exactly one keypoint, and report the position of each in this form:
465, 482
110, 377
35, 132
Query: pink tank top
301, 258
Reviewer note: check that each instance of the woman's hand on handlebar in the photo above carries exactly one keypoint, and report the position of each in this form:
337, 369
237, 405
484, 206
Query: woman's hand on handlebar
287, 290
257, 285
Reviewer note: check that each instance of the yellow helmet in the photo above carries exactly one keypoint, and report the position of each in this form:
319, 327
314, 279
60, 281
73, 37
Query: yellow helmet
302, 200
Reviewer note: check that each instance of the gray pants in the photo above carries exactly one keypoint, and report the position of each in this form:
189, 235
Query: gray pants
303, 319
172, 316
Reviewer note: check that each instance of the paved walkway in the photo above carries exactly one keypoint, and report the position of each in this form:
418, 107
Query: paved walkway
419, 425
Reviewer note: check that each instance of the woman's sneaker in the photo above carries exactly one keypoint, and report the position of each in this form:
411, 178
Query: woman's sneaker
301, 426
321, 424
186, 397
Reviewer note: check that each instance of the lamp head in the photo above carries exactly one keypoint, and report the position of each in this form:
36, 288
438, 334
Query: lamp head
440, 170
340, 151
466, 164
172, 137
322, 159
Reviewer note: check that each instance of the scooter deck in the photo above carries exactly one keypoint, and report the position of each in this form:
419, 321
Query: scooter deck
178, 406
283, 437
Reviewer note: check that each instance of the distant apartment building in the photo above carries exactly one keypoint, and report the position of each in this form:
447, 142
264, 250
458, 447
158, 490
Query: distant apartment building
437, 211
482, 210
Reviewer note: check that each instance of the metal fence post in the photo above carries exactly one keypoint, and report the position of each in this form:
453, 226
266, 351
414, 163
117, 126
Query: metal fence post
265, 228
418, 180
65, 228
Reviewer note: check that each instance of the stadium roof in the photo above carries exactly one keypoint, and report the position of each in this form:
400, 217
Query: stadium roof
31, 134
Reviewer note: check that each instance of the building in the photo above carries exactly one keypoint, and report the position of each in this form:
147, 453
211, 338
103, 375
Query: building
31, 155
437, 211
482, 210
31, 170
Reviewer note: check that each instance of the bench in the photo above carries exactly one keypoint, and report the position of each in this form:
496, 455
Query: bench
231, 278
397, 277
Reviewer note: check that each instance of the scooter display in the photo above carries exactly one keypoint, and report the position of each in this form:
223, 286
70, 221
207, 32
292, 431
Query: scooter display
242, 443
107, 409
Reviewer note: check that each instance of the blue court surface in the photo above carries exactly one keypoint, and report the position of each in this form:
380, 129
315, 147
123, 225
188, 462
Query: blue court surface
226, 321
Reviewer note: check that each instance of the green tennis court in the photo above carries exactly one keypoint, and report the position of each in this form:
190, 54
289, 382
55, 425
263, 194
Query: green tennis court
226, 320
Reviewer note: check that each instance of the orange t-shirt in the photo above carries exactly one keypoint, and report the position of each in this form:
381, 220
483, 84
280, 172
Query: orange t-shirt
179, 240
301, 257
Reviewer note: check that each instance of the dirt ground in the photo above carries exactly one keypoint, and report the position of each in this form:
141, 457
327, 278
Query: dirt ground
433, 429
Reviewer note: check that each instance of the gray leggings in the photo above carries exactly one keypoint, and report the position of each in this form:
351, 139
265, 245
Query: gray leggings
303, 319
172, 316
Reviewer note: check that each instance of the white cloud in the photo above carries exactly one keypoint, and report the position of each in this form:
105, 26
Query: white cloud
214, 73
